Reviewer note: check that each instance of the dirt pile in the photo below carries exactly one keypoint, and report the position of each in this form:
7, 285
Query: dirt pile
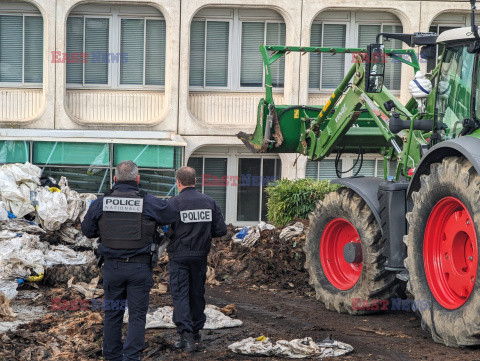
272, 262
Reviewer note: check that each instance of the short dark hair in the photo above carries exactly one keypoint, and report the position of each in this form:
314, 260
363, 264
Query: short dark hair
186, 176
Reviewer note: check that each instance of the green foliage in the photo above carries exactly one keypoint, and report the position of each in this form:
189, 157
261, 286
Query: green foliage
288, 200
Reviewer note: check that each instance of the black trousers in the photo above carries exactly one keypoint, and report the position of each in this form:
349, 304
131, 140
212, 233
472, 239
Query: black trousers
122, 282
187, 285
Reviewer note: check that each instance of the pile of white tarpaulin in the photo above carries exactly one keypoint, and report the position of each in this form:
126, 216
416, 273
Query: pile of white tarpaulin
54, 211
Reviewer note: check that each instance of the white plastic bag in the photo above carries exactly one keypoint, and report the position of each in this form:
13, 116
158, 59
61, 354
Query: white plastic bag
52, 209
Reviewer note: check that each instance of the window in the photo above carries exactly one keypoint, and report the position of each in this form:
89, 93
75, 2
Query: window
116, 49
13, 151
324, 169
327, 71
209, 50
255, 34
211, 178
21, 49
349, 29
224, 50
254, 174
367, 34
432, 63
89, 167
454, 90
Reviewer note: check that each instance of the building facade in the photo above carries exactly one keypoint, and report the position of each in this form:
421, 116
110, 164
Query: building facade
84, 85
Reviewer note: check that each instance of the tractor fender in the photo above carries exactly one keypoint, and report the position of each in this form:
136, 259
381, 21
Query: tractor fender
367, 189
466, 146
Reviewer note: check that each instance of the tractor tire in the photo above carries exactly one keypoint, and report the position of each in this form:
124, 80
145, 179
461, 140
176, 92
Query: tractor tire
442, 252
343, 217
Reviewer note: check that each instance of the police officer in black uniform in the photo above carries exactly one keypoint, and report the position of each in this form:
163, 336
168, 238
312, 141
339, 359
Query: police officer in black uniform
126, 220
190, 240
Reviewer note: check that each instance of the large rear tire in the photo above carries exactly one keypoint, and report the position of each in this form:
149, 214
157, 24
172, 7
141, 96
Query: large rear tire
343, 217
442, 256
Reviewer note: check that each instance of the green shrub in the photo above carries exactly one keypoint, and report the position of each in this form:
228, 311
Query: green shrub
291, 199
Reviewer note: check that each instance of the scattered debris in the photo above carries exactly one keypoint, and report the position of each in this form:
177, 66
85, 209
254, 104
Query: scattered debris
89, 291
382, 333
162, 318
291, 231
297, 348
248, 236
272, 261
229, 310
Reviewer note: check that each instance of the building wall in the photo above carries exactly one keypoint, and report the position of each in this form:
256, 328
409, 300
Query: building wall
205, 120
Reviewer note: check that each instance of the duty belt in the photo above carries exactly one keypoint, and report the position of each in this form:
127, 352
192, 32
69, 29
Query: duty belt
142, 258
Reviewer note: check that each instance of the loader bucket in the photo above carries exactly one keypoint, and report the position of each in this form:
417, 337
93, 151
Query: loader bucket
278, 128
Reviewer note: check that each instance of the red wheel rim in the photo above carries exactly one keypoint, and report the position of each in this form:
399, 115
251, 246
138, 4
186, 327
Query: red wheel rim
336, 235
450, 253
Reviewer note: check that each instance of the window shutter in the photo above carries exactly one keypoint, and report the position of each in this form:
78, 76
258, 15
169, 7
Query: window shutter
197, 53
11, 47
216, 167
393, 68
132, 44
367, 34
327, 169
333, 66
197, 164
96, 44
33, 72
75, 45
315, 59
276, 36
155, 53
253, 35
217, 53
311, 170
368, 167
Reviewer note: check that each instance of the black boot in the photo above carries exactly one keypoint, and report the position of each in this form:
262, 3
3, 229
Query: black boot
190, 344
181, 342
197, 337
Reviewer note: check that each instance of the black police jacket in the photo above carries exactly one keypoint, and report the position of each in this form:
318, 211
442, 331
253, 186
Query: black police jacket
200, 220
155, 209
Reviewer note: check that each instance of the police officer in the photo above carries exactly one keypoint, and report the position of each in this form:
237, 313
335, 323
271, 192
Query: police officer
190, 240
126, 219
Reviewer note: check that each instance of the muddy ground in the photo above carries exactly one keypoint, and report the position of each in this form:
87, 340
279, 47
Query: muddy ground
270, 290
278, 314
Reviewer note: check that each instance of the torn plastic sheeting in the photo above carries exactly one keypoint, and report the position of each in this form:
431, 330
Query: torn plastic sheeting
3, 212
9, 289
248, 236
162, 318
292, 231
16, 183
22, 254
297, 348
71, 235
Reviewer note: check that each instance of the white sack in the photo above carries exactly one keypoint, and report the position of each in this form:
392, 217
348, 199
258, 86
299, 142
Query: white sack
162, 318
297, 348
52, 209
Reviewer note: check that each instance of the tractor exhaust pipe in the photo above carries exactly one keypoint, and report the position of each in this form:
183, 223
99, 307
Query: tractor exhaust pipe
472, 20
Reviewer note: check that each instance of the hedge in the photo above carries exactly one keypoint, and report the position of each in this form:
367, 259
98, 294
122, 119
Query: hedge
292, 199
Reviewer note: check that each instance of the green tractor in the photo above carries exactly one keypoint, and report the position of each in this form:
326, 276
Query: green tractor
419, 228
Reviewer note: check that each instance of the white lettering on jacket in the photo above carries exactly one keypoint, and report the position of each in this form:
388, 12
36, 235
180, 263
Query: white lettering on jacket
116, 204
196, 215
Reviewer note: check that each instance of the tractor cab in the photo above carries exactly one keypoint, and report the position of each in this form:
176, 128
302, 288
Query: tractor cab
456, 110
